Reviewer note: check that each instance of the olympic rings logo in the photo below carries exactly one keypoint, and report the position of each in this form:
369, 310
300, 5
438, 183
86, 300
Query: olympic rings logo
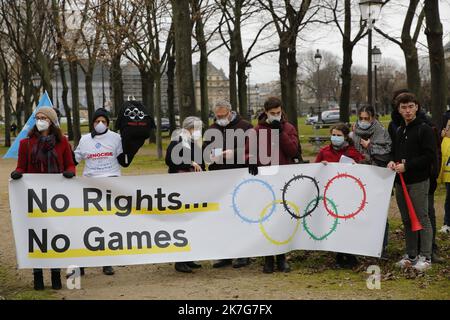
135, 113
293, 209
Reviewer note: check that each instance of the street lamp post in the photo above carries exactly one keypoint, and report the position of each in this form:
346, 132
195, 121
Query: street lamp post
370, 11
376, 55
36, 80
318, 59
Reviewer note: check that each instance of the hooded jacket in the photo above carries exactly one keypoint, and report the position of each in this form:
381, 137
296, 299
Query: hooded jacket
414, 145
287, 146
239, 148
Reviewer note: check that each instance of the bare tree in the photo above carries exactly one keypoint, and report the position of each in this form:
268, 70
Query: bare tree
5, 76
91, 43
289, 18
185, 80
235, 14
408, 44
437, 63
347, 49
118, 22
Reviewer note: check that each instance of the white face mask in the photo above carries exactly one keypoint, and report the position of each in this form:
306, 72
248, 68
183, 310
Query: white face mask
100, 128
223, 122
42, 125
197, 134
271, 118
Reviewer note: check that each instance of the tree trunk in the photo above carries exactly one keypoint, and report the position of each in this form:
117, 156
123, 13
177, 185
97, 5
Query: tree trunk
158, 115
412, 67
171, 92
117, 85
242, 90
7, 106
184, 76
73, 69
232, 79
203, 72
65, 93
19, 109
347, 49
283, 70
89, 95
147, 85
437, 62
27, 91
291, 102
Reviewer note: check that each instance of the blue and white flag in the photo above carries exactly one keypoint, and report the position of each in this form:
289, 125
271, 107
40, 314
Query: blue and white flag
13, 151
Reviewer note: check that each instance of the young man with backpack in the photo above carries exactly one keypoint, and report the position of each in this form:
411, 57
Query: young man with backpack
394, 125
413, 153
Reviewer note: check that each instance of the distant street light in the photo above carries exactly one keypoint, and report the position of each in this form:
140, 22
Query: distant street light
249, 68
318, 59
376, 55
370, 11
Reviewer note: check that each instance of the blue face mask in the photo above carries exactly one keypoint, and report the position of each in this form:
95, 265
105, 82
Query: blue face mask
337, 140
364, 124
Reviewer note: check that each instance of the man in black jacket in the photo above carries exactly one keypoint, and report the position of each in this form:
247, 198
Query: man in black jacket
228, 154
413, 153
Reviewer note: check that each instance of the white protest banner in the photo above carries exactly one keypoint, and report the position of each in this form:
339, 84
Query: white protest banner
199, 216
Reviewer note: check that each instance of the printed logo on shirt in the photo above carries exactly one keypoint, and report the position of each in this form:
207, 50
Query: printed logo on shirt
98, 145
99, 155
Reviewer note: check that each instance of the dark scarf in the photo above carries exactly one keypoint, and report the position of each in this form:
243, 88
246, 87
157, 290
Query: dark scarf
365, 133
43, 154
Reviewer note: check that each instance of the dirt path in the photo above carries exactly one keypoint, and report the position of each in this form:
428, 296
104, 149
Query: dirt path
162, 282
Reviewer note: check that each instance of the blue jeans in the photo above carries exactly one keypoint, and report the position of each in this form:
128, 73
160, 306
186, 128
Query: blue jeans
447, 205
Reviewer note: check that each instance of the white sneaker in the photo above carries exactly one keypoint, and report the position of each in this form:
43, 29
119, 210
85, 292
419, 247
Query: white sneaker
406, 262
422, 264
445, 229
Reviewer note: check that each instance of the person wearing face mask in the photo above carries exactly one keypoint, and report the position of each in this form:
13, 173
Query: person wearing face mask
286, 147
341, 145
372, 140
102, 152
45, 150
227, 122
184, 154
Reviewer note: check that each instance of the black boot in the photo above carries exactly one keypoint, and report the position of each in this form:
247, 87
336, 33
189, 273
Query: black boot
241, 262
182, 267
352, 261
282, 264
340, 261
56, 279
38, 279
108, 270
193, 265
268, 264
222, 263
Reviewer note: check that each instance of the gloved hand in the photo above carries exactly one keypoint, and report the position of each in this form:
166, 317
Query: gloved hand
253, 169
276, 125
16, 175
68, 174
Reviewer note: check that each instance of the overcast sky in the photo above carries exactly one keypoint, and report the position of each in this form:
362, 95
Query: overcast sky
328, 38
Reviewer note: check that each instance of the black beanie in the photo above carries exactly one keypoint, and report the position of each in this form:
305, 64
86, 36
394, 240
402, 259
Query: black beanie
101, 112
